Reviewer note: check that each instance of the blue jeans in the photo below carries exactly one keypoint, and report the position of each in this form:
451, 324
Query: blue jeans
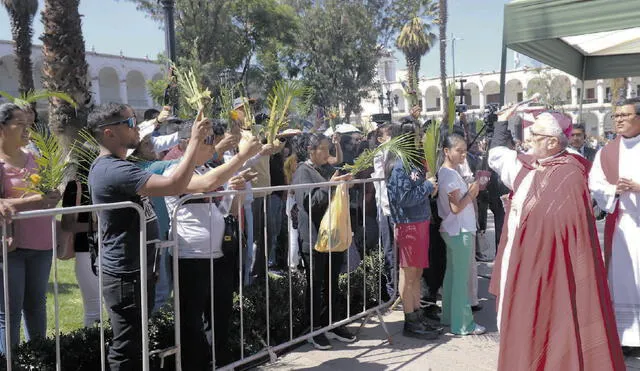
274, 226
386, 236
28, 277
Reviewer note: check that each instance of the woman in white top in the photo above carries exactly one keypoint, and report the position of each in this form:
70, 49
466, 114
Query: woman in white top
455, 207
200, 228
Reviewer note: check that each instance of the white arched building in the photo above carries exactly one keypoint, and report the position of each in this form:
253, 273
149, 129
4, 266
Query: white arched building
114, 78
483, 88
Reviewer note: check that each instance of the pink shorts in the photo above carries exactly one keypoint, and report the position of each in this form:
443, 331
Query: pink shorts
413, 244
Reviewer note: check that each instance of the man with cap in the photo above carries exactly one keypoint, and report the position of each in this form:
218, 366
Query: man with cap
614, 182
554, 307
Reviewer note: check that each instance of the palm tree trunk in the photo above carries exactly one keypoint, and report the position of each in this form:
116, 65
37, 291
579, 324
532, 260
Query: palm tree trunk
442, 20
21, 32
65, 68
413, 64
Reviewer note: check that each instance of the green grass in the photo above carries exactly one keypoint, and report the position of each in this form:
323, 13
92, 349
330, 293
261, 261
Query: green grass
69, 299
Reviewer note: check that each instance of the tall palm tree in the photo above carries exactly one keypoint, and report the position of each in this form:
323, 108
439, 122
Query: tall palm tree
442, 25
21, 13
65, 68
415, 40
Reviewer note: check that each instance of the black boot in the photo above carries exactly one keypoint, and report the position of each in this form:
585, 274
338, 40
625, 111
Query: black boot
428, 323
414, 328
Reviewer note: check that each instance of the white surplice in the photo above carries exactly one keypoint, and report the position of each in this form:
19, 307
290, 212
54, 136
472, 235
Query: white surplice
624, 266
504, 161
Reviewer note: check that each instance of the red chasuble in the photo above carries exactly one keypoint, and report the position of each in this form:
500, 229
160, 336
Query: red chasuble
557, 312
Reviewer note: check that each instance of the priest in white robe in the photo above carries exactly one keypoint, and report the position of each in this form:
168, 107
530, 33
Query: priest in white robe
614, 182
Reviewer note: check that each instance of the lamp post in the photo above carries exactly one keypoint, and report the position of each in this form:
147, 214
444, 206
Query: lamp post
453, 54
169, 29
391, 100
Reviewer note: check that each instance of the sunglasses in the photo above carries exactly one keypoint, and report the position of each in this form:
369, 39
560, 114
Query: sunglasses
131, 123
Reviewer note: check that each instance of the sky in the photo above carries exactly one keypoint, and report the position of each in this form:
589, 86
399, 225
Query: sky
112, 26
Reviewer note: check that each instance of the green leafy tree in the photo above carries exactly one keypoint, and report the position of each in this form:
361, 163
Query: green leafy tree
338, 52
21, 14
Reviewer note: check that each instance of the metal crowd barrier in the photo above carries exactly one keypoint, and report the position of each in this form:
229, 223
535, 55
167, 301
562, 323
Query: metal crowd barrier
271, 350
25, 215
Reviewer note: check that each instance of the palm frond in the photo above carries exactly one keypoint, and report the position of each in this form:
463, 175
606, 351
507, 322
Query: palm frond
32, 96
401, 147
225, 100
479, 126
286, 97
190, 86
53, 162
85, 151
431, 145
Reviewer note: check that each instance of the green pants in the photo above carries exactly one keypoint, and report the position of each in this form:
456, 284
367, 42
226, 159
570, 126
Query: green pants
456, 310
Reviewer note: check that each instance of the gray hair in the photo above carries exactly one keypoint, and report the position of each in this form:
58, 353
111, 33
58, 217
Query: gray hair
6, 112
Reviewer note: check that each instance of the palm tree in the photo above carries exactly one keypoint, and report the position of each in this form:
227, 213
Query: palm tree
442, 25
65, 68
21, 13
415, 40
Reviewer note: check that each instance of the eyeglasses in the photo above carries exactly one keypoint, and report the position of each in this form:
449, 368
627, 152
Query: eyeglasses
534, 134
623, 116
131, 122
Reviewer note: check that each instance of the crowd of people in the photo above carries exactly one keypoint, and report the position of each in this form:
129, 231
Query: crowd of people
558, 301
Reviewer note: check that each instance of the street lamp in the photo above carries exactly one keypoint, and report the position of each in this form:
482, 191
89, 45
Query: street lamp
391, 101
169, 28
453, 53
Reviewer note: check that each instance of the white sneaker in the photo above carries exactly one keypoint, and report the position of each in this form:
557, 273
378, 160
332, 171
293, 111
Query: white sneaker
479, 330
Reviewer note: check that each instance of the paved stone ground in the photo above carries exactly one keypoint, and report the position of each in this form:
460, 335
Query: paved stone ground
374, 352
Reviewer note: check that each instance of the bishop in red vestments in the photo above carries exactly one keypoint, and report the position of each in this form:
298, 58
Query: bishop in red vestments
554, 306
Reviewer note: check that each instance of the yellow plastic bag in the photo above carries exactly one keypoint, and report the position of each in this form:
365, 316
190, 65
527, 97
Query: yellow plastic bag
335, 228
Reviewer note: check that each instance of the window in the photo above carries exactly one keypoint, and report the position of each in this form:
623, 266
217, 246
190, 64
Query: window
438, 103
493, 98
591, 93
519, 97
607, 95
579, 93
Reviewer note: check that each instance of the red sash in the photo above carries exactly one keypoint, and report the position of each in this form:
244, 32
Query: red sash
610, 162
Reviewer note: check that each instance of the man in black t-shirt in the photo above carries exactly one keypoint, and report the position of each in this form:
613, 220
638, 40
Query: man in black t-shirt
114, 179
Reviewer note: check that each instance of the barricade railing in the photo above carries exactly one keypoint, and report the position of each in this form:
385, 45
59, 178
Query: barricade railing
269, 350
26, 215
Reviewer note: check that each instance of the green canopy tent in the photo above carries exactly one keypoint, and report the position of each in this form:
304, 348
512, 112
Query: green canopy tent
589, 39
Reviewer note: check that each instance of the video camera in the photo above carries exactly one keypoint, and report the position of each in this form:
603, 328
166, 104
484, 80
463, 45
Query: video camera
490, 113
461, 108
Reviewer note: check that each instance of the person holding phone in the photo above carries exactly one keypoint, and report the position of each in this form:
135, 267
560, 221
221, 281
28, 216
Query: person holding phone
456, 208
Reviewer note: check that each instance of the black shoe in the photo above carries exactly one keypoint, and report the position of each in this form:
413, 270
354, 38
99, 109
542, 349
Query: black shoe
341, 334
427, 323
320, 342
414, 328
431, 312
627, 351
476, 308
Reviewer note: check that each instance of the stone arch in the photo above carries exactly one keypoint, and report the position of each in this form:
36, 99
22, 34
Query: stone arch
514, 91
37, 75
401, 106
157, 76
136, 89
432, 99
109, 85
591, 122
9, 79
492, 92
472, 99
560, 90
608, 122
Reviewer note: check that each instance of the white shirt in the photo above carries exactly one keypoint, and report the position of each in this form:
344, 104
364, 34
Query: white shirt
200, 226
450, 180
382, 198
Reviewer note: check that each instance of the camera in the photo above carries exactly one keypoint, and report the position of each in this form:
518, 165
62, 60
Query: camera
490, 116
461, 108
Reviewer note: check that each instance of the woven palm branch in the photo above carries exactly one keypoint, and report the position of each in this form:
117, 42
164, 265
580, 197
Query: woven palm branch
431, 145
53, 162
451, 107
402, 147
189, 82
26, 99
286, 97
225, 100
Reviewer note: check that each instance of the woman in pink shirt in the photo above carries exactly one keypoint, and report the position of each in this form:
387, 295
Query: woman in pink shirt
29, 262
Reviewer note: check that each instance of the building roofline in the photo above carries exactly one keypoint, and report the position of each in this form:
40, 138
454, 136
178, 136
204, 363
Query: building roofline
89, 52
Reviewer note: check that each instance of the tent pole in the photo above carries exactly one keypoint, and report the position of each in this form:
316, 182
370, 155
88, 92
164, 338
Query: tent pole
584, 71
503, 72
